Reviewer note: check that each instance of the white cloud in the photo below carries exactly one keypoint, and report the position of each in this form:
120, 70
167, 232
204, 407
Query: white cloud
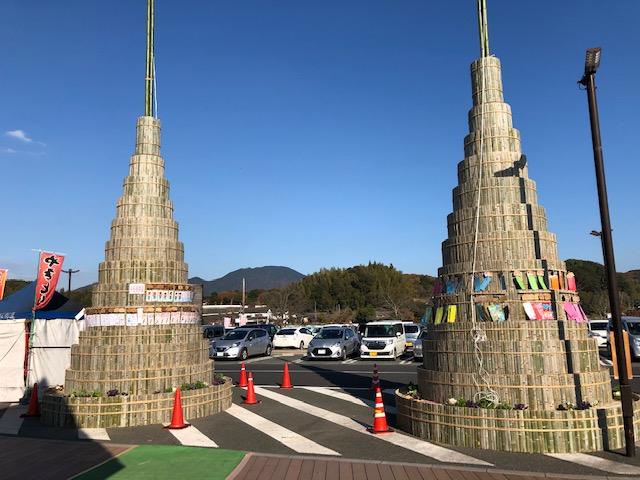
19, 135
22, 136
7, 150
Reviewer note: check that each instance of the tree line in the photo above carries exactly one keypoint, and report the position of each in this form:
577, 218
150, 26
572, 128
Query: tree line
359, 293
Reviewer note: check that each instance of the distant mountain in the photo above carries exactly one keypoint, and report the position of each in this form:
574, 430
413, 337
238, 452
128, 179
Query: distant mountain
264, 278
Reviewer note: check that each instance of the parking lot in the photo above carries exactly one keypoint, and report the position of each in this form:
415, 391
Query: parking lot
326, 415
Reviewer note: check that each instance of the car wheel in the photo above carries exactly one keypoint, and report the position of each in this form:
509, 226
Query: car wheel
243, 354
302, 345
268, 351
343, 357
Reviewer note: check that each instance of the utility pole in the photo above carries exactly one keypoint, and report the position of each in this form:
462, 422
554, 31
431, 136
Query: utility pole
592, 62
70, 272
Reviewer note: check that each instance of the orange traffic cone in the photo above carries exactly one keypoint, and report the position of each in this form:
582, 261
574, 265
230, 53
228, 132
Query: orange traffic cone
379, 417
243, 376
251, 398
177, 420
286, 380
34, 405
375, 381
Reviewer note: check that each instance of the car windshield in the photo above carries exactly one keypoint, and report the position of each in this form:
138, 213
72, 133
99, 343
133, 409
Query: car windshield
380, 331
411, 328
287, 331
597, 325
423, 334
329, 333
633, 328
235, 335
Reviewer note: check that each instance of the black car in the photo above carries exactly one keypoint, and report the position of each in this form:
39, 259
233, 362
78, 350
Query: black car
212, 331
269, 327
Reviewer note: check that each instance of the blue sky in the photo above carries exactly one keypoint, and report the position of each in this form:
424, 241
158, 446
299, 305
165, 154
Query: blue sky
306, 134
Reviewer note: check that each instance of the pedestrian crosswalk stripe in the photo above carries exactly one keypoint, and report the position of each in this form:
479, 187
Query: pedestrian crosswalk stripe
192, 437
419, 446
598, 463
289, 439
93, 434
347, 397
10, 422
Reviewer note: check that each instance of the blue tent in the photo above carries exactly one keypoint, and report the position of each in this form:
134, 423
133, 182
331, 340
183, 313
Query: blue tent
20, 304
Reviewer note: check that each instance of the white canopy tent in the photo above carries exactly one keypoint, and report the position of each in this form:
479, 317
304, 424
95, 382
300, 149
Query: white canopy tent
52, 333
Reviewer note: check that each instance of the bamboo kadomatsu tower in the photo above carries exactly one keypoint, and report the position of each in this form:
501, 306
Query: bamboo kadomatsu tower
143, 335
507, 363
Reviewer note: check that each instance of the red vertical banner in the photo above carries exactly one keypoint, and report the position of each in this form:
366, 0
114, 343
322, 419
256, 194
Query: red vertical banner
49, 268
3, 281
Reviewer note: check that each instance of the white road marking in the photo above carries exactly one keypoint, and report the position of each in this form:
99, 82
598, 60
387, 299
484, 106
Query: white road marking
10, 422
348, 398
414, 444
299, 360
93, 434
598, 463
300, 370
192, 437
290, 439
257, 359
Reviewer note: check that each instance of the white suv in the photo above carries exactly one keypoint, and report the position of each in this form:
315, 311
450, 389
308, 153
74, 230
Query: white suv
598, 330
384, 339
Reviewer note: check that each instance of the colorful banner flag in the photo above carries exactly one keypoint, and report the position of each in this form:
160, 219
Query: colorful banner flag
49, 268
3, 280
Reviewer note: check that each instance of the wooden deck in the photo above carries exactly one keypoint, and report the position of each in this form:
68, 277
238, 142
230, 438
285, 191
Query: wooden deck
273, 467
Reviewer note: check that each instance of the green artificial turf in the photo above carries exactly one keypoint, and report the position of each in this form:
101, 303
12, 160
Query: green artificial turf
167, 461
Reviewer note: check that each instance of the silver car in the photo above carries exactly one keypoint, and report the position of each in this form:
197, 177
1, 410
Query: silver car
417, 346
334, 342
632, 326
241, 343
411, 331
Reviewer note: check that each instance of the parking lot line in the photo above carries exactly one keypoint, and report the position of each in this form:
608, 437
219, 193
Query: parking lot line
598, 463
289, 439
348, 398
257, 359
414, 444
10, 422
93, 434
192, 437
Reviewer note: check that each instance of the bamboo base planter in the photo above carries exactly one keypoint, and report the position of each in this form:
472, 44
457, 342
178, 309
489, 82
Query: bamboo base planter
140, 361
524, 431
133, 410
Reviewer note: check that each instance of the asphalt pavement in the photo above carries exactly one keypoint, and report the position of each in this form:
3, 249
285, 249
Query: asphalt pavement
350, 373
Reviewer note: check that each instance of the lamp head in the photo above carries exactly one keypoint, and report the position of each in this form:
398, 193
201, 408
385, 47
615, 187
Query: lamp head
592, 60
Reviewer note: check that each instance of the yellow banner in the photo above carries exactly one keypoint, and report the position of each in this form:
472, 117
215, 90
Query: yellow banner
3, 280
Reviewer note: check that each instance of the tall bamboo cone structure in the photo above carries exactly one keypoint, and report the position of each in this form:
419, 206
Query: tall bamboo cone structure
140, 344
507, 328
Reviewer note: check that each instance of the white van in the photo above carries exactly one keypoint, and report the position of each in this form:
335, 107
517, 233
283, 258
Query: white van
385, 339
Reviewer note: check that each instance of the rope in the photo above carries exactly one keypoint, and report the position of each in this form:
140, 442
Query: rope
20, 335
155, 86
478, 335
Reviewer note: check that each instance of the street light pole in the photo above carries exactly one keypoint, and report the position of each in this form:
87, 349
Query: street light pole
588, 80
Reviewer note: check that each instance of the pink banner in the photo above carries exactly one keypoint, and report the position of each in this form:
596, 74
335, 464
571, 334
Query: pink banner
49, 268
